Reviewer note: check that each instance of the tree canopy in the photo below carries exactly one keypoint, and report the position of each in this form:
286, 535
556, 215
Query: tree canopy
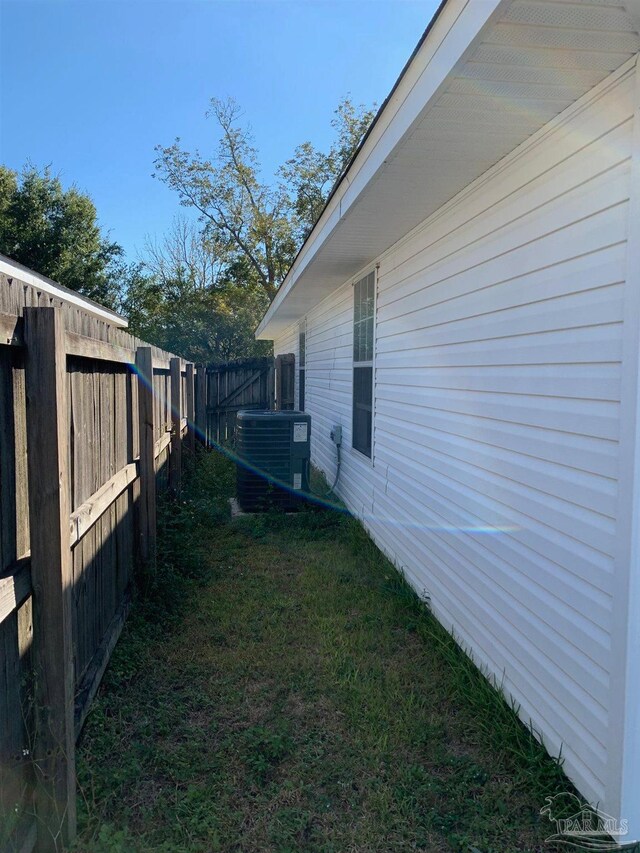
310, 174
243, 216
201, 289
184, 300
55, 232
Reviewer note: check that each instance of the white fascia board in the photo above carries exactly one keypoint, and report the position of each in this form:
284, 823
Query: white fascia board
12, 269
457, 26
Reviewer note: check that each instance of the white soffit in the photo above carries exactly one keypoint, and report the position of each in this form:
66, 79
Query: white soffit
516, 65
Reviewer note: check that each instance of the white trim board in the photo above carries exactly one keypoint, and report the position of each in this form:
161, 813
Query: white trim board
15, 270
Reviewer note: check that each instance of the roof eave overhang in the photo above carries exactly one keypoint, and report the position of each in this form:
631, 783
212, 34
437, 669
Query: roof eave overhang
436, 53
444, 125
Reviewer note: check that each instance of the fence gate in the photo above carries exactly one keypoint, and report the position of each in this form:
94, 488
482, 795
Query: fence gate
285, 382
234, 386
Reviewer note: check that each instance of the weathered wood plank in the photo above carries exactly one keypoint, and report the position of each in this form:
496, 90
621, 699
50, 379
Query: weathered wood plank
123, 507
175, 460
52, 576
11, 330
20, 451
191, 411
254, 376
147, 502
93, 675
201, 402
82, 346
285, 381
8, 551
83, 518
271, 385
15, 588
161, 444
16, 777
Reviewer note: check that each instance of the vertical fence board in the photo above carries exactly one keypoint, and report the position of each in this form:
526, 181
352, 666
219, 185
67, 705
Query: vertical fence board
51, 569
8, 545
201, 403
147, 503
175, 460
190, 404
20, 450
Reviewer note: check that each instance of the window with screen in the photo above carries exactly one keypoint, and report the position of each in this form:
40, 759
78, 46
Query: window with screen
363, 320
302, 346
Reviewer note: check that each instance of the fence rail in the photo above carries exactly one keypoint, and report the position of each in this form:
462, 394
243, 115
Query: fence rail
92, 425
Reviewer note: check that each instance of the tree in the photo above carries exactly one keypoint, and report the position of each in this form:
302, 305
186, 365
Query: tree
56, 232
184, 301
311, 174
184, 254
243, 217
203, 326
202, 290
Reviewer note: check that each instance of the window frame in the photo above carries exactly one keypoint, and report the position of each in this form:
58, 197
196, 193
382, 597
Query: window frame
366, 363
302, 365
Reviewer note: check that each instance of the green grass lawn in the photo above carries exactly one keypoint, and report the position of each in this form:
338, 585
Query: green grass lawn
282, 689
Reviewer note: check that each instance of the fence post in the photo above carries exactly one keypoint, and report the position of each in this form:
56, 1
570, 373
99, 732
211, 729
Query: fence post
201, 403
278, 383
191, 414
52, 576
147, 502
271, 384
175, 460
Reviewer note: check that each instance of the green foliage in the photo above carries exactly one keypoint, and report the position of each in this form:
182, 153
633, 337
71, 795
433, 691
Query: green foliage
241, 216
291, 692
55, 232
202, 324
203, 291
183, 299
244, 217
265, 749
310, 173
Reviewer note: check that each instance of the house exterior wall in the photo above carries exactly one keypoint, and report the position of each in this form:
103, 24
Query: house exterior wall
496, 455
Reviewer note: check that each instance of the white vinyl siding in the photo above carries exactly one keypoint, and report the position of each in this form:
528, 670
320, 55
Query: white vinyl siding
497, 400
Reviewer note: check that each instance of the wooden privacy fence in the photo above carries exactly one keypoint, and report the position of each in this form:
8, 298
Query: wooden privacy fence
230, 387
257, 383
92, 422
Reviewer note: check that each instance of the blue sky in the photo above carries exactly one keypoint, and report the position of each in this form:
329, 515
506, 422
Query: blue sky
92, 86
